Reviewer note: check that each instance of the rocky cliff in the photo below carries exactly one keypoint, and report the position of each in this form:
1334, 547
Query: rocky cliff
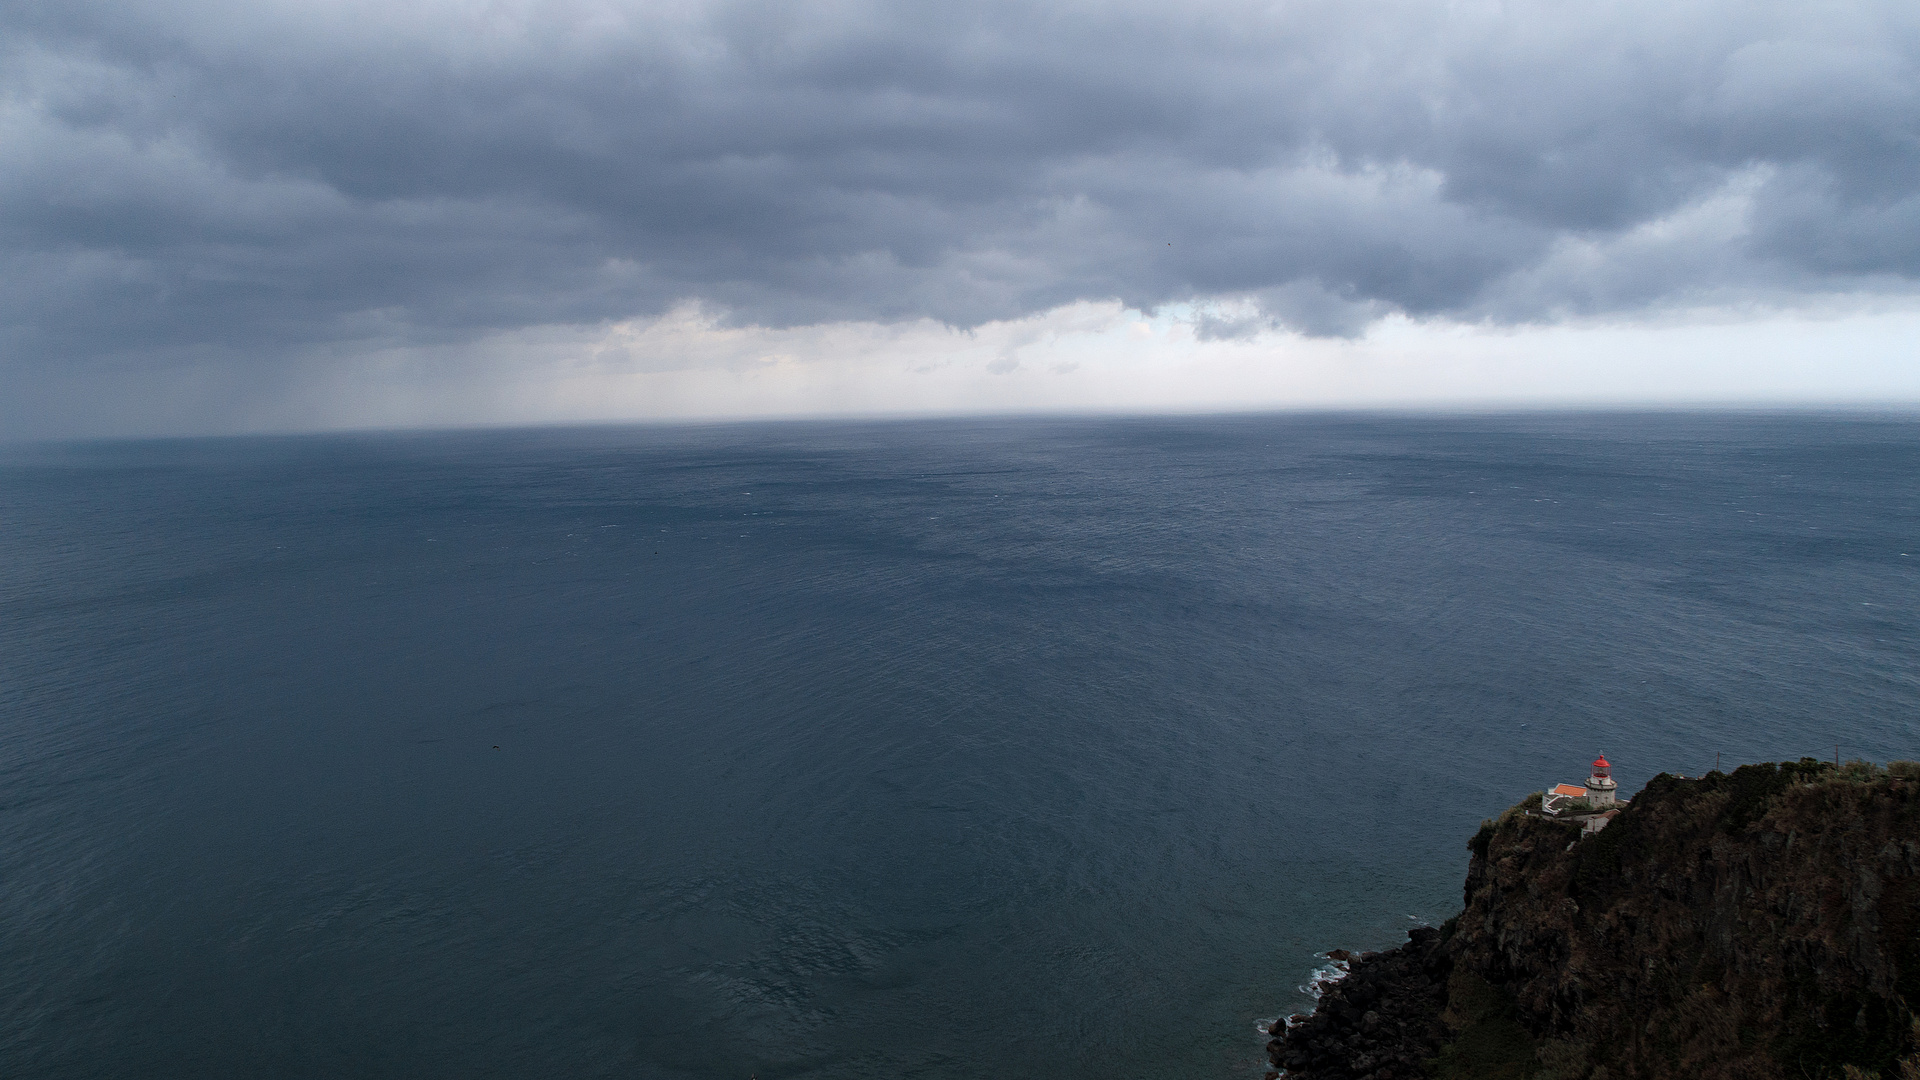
1760, 924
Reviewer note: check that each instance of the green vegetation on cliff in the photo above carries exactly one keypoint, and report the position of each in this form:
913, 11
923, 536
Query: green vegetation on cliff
1754, 925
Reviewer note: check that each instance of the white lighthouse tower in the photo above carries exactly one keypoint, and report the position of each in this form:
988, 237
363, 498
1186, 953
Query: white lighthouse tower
1600, 786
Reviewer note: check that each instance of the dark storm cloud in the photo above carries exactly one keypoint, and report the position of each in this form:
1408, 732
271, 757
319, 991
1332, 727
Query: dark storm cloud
187, 179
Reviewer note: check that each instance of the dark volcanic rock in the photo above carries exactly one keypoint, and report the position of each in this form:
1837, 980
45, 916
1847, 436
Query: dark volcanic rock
1381, 1022
1734, 927
1750, 926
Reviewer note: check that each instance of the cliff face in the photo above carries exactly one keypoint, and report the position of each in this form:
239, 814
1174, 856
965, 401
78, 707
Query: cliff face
1754, 925
1762, 924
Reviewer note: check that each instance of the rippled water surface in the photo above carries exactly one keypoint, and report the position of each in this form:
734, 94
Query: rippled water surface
964, 749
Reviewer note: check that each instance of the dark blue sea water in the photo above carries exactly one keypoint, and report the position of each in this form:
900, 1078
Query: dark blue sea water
963, 749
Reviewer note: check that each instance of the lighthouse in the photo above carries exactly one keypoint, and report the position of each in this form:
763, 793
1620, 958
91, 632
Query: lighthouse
1592, 805
1600, 786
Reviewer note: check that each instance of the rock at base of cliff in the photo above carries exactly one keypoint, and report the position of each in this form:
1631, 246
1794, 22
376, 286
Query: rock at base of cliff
1381, 1022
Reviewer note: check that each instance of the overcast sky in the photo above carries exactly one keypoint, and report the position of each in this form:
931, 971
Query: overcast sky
253, 215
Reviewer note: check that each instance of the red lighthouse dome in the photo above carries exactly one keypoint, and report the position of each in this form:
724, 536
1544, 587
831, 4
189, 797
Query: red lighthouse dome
1600, 786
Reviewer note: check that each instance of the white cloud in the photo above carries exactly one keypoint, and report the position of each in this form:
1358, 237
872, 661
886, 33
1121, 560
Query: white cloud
689, 365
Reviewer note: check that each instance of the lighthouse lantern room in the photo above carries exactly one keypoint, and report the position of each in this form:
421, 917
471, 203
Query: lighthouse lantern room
1600, 786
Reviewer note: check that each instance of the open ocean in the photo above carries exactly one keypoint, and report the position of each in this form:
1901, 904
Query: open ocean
987, 749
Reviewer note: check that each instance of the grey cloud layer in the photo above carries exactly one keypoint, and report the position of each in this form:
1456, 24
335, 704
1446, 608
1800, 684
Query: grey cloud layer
188, 179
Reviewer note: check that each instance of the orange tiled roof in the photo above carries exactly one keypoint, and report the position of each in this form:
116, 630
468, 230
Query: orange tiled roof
1573, 790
